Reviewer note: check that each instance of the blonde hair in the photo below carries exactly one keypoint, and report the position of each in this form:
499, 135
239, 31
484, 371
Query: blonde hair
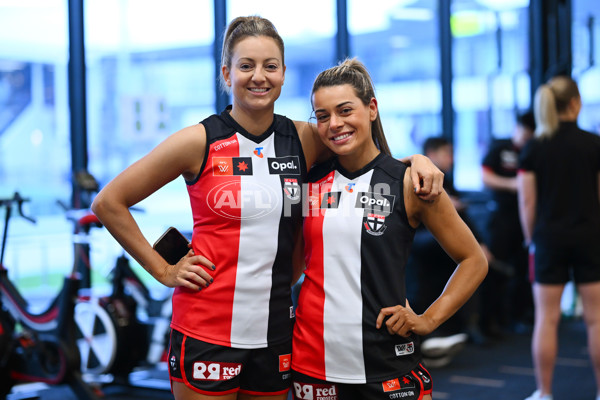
241, 28
552, 99
352, 72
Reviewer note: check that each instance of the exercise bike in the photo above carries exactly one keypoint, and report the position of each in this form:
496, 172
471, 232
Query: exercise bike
38, 347
109, 337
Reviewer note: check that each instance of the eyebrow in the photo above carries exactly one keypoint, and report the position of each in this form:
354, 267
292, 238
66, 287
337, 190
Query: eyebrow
251, 59
338, 106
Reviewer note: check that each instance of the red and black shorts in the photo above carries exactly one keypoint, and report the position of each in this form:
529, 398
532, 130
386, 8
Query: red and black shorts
411, 386
218, 370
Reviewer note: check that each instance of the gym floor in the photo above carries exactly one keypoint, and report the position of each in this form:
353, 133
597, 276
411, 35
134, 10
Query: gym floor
500, 370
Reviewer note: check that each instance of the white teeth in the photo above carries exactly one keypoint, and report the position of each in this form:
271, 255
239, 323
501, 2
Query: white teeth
341, 137
258, 90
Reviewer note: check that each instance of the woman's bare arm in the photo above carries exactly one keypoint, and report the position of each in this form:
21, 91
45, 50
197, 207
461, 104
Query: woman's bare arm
180, 154
527, 194
442, 220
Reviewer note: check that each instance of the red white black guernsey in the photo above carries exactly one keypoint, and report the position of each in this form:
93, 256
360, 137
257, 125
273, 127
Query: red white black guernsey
357, 239
246, 205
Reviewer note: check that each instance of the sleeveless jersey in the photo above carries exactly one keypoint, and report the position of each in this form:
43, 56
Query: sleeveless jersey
357, 239
246, 206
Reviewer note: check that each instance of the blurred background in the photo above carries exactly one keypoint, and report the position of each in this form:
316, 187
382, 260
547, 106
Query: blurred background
95, 84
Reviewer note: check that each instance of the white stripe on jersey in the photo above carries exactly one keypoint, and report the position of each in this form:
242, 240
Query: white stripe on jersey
344, 359
259, 228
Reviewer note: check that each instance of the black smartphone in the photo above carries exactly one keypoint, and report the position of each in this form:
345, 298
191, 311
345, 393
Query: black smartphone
172, 245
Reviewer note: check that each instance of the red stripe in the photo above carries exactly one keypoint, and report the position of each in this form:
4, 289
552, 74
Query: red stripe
206, 314
308, 346
49, 316
531, 264
421, 392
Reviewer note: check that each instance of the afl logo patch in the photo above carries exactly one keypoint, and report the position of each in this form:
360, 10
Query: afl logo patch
231, 166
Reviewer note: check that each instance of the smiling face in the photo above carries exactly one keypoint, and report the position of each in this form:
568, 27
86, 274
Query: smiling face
256, 73
344, 124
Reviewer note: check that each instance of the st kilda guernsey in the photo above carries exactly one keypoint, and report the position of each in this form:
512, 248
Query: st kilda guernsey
246, 203
357, 241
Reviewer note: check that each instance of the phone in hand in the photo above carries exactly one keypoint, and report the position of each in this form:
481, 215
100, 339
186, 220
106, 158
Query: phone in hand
172, 245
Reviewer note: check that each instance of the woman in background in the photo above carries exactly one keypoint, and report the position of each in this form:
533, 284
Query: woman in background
559, 205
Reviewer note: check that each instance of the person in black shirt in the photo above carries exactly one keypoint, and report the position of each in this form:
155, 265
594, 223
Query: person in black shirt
559, 205
507, 279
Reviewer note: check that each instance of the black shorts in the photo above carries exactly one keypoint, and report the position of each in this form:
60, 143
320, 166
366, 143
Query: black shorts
218, 370
559, 263
412, 386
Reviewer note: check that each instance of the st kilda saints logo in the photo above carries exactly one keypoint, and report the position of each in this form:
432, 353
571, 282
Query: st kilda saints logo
375, 224
377, 207
291, 188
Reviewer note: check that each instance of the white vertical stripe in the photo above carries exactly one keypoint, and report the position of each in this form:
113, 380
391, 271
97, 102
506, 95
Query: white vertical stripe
342, 229
261, 211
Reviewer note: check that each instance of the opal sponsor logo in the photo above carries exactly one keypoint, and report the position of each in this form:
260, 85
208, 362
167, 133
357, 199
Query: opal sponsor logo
289, 165
376, 202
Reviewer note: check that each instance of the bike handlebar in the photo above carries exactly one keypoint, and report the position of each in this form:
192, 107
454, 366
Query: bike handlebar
18, 200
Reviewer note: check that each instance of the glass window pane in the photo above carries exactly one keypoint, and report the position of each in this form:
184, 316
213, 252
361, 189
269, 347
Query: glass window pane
586, 47
35, 151
150, 72
309, 45
398, 42
34, 119
491, 81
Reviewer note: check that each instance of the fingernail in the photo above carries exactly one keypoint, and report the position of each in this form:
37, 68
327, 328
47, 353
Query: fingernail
211, 279
213, 267
200, 288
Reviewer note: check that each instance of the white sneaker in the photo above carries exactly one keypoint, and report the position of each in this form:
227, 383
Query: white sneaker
444, 346
536, 396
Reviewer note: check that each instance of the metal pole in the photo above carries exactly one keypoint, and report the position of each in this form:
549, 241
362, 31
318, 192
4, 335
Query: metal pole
343, 36
221, 98
77, 97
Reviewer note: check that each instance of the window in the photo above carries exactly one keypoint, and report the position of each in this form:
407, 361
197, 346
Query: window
405, 67
34, 117
35, 151
586, 71
491, 82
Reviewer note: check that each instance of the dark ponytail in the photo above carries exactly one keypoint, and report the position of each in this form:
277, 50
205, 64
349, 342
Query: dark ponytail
354, 73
